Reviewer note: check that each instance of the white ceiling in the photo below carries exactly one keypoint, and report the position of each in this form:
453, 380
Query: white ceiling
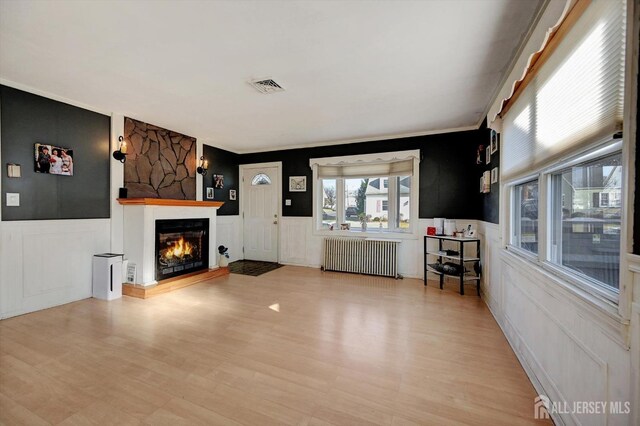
353, 70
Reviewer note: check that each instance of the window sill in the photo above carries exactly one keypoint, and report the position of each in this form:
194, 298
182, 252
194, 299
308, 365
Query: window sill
601, 310
566, 277
528, 255
584, 284
383, 235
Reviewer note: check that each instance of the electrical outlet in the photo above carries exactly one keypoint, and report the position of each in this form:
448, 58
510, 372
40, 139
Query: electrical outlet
287, 202
13, 199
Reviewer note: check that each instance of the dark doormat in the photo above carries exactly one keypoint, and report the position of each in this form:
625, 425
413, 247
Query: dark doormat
252, 267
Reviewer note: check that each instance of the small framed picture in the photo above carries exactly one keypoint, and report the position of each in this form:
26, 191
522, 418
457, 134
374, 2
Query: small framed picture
486, 180
54, 160
345, 226
481, 184
488, 155
479, 153
297, 183
494, 141
218, 181
232, 194
209, 193
494, 175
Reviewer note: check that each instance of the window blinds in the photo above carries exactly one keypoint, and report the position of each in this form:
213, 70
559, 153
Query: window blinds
394, 168
576, 97
396, 163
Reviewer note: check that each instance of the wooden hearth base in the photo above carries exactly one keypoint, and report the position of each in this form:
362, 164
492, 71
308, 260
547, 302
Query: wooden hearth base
171, 284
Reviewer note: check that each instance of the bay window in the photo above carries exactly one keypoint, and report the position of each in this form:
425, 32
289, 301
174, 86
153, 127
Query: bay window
371, 192
329, 202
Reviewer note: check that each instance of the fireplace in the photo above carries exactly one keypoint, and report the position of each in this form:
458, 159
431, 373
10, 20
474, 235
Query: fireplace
182, 246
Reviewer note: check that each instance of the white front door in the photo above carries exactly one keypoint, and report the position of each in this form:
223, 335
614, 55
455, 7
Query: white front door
260, 190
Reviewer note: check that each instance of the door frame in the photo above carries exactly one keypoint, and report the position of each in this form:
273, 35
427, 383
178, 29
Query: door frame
258, 166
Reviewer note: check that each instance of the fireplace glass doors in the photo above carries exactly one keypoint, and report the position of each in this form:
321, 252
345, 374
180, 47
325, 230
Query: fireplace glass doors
182, 246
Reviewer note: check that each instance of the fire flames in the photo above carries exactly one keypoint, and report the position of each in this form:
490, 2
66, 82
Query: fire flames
180, 249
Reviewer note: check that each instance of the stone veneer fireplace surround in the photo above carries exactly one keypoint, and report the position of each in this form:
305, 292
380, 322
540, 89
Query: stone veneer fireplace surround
160, 163
140, 216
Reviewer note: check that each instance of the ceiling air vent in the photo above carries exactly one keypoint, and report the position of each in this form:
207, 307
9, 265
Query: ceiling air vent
266, 86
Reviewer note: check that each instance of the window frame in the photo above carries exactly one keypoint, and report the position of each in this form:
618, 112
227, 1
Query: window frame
515, 211
410, 233
599, 149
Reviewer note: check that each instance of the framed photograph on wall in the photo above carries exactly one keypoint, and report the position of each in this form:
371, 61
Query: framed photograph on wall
297, 183
232, 194
486, 179
209, 193
494, 175
488, 155
481, 184
494, 141
53, 160
479, 153
218, 181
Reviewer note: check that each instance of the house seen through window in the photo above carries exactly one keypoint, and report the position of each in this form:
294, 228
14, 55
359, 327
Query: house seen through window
585, 219
371, 192
367, 200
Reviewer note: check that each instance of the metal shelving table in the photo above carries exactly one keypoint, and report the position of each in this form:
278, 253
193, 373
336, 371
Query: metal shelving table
460, 257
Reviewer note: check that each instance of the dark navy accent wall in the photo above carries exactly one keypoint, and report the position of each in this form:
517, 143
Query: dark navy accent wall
27, 119
225, 163
448, 172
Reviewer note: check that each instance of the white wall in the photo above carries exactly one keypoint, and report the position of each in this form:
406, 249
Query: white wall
299, 245
117, 181
229, 234
570, 349
48, 262
45, 263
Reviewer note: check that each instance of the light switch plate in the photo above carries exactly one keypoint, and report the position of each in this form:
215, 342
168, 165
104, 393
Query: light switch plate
13, 199
287, 202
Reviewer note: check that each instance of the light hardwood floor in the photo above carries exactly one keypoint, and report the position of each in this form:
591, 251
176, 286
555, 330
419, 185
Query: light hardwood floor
343, 350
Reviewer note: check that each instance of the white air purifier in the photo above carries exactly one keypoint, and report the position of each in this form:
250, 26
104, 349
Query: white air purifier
107, 276
449, 226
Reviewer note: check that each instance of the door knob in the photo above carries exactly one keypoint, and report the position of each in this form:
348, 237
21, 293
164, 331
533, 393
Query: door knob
275, 222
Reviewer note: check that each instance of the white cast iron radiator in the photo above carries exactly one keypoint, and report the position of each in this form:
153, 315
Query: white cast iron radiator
362, 256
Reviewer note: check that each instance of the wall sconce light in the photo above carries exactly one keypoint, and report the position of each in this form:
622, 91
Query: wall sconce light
121, 153
202, 168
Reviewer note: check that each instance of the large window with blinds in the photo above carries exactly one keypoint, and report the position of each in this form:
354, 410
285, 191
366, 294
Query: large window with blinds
563, 129
577, 96
373, 192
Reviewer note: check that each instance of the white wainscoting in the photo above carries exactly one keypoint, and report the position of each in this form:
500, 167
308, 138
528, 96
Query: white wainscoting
47, 263
299, 246
571, 350
229, 234
634, 267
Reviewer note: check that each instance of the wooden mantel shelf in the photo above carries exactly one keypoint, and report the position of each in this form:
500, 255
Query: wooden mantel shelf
167, 202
